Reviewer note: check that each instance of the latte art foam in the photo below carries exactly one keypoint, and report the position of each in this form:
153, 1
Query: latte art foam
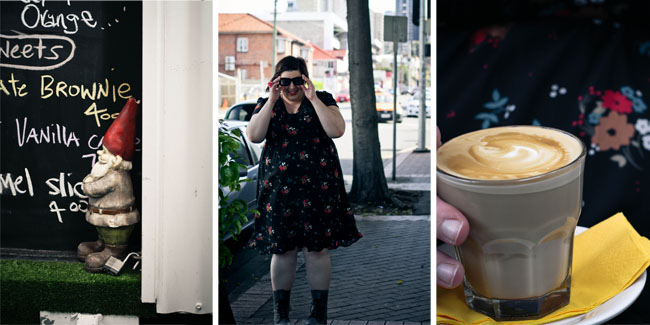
507, 153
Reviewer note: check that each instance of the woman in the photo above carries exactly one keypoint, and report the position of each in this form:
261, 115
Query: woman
301, 195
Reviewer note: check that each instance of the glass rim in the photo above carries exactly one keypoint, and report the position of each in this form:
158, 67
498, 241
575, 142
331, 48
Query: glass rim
524, 180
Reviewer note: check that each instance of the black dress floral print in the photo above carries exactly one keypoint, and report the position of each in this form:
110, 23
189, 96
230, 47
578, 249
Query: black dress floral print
300, 192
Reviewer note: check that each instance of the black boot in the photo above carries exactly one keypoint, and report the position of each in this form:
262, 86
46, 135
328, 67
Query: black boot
318, 308
281, 300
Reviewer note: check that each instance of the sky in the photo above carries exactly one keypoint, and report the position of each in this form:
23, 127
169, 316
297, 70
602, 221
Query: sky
266, 6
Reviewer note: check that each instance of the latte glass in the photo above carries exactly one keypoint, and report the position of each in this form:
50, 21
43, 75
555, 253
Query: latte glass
520, 188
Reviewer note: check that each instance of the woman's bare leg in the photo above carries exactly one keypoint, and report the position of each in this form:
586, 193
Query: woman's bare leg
318, 269
283, 270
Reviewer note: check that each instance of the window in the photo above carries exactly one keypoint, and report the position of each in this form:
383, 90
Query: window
230, 63
291, 5
330, 64
242, 155
242, 44
304, 53
279, 47
244, 74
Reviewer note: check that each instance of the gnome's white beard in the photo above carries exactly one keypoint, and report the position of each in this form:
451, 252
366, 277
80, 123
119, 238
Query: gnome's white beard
100, 169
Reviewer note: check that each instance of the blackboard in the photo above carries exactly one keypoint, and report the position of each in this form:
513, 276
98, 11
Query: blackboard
67, 68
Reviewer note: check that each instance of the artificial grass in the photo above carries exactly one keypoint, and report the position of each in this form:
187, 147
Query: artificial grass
28, 287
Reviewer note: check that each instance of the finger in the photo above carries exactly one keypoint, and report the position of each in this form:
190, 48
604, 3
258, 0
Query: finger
307, 80
451, 225
438, 137
276, 79
449, 272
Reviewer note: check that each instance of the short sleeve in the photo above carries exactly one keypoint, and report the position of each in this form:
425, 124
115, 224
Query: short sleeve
260, 103
326, 98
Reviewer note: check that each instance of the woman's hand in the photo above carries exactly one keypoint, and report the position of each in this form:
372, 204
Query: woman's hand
310, 90
452, 228
275, 89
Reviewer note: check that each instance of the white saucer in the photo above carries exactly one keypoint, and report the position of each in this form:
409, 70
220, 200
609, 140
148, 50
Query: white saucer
607, 310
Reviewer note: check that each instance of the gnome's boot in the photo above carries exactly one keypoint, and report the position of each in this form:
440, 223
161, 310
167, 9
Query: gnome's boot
115, 243
318, 308
281, 305
95, 261
88, 247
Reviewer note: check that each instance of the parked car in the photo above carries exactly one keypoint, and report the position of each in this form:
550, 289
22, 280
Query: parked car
241, 111
249, 156
343, 97
384, 107
413, 107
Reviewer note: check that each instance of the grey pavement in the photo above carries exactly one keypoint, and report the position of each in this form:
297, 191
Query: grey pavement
384, 278
412, 172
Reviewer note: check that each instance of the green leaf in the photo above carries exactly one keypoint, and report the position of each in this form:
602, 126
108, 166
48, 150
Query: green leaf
487, 116
495, 95
496, 104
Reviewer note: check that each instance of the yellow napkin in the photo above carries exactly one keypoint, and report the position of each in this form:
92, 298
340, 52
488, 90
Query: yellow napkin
607, 258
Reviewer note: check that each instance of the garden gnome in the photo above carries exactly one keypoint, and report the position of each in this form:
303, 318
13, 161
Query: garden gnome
111, 201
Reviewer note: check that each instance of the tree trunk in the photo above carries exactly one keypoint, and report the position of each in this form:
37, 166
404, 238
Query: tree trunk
369, 182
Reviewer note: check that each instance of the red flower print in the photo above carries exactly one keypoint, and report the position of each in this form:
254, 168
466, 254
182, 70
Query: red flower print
283, 166
302, 155
266, 184
350, 212
285, 144
259, 237
328, 210
306, 203
316, 140
328, 233
305, 179
251, 244
307, 226
336, 173
324, 186
267, 160
307, 118
323, 163
272, 134
287, 213
270, 231
286, 127
360, 235
257, 216
478, 37
272, 114
617, 102
331, 149
268, 207
285, 190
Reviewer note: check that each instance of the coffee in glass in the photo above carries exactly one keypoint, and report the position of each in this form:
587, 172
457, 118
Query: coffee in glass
520, 188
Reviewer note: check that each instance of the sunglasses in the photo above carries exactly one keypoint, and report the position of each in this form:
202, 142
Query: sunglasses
297, 81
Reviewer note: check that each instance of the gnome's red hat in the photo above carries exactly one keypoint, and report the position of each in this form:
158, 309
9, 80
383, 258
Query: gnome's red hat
120, 137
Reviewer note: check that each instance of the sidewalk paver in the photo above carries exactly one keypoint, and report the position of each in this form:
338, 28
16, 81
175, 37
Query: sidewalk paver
384, 277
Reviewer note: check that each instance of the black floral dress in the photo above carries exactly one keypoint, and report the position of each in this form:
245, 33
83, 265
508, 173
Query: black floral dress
300, 192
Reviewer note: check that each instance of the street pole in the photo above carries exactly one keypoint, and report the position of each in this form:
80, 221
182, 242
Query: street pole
395, 45
421, 147
275, 29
